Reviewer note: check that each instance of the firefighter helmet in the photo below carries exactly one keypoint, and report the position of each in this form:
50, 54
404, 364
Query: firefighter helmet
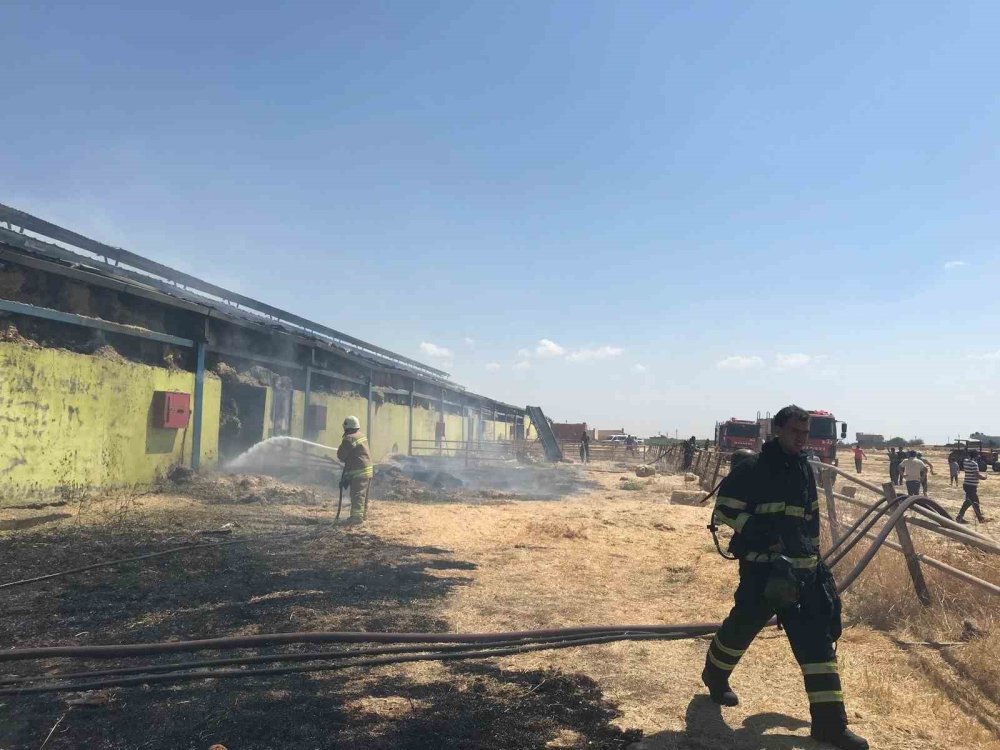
352, 423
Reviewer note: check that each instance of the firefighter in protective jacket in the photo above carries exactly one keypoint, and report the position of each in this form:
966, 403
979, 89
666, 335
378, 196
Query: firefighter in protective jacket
358, 470
770, 501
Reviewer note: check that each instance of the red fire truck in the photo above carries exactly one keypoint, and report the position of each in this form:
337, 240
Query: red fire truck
822, 440
734, 434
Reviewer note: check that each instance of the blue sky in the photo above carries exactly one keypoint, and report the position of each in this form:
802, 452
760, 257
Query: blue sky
705, 209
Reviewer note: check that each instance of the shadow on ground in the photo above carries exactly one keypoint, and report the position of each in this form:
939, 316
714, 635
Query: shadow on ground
336, 580
705, 729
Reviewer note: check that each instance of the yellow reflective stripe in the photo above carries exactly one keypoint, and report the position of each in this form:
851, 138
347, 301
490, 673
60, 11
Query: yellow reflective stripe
827, 696
731, 502
823, 667
815, 505
726, 650
803, 562
770, 508
794, 510
759, 556
360, 440
721, 664
368, 471
740, 521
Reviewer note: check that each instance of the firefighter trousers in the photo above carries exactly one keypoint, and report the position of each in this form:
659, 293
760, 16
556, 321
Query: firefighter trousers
809, 628
359, 497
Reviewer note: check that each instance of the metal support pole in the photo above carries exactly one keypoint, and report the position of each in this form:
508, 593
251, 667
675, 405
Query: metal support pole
912, 561
370, 426
826, 477
441, 421
715, 474
409, 450
305, 409
199, 405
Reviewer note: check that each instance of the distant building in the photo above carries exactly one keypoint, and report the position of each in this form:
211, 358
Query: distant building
869, 439
608, 434
570, 430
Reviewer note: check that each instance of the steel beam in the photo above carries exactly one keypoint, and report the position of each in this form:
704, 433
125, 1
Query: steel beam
20, 308
199, 406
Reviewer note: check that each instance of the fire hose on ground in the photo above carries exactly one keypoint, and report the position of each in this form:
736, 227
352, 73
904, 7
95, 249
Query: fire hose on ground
419, 646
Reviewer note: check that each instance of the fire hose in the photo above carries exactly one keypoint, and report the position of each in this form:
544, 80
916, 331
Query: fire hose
423, 646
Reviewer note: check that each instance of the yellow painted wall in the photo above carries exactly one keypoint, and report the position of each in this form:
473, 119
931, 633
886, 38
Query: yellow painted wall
71, 422
337, 407
390, 426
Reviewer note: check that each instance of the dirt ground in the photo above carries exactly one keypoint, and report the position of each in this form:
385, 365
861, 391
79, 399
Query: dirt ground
590, 553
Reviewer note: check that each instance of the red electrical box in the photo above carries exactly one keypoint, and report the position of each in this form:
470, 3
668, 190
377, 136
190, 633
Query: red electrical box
171, 410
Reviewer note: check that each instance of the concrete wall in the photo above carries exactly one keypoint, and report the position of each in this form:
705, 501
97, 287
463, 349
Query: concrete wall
74, 422
391, 429
71, 422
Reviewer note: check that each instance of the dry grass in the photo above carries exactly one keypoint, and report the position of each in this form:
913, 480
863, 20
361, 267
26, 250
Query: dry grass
620, 556
616, 556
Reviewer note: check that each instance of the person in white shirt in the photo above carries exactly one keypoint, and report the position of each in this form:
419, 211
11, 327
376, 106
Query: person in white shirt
912, 469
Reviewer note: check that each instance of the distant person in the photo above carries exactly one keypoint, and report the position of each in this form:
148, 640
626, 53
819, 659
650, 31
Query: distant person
859, 458
971, 487
912, 468
585, 447
953, 468
630, 444
893, 466
923, 475
358, 470
689, 449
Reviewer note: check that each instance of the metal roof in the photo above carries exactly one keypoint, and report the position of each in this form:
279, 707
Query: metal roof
136, 272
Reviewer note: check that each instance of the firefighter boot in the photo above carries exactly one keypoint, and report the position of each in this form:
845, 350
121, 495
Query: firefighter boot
717, 682
829, 725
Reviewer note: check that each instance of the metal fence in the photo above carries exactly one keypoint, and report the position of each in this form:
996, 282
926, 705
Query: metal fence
886, 512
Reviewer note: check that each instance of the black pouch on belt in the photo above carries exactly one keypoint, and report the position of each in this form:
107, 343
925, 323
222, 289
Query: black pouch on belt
782, 588
829, 587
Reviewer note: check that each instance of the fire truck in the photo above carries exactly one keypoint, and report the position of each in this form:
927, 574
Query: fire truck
822, 440
734, 434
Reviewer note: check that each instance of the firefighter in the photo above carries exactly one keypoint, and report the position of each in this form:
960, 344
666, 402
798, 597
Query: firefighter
689, 449
770, 502
358, 471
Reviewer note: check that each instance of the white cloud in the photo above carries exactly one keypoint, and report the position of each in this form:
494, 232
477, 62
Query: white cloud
469, 341
600, 352
739, 362
792, 361
492, 366
954, 264
434, 351
548, 348
638, 369
522, 365
986, 356
796, 361
523, 354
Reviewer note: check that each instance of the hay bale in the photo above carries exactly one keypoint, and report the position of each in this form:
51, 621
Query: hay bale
645, 471
687, 497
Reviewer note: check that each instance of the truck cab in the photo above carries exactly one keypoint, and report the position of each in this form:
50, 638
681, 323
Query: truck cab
822, 441
734, 434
